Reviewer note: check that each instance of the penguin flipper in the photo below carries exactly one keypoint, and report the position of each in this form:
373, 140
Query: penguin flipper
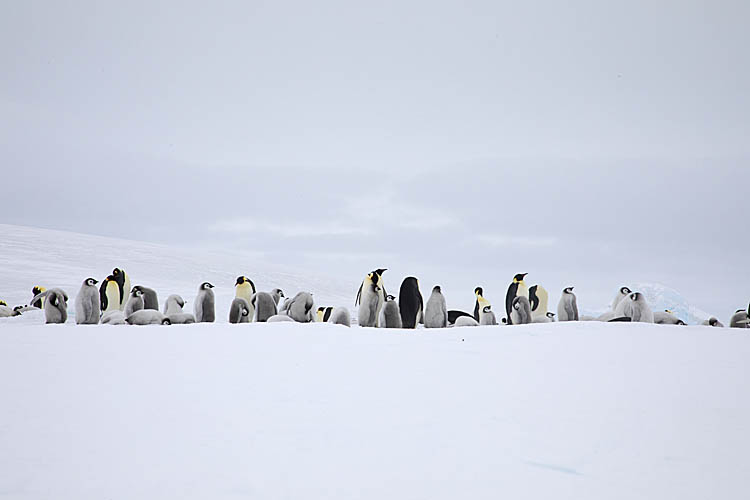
359, 295
453, 315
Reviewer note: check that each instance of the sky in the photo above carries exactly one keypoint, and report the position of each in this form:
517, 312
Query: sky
587, 143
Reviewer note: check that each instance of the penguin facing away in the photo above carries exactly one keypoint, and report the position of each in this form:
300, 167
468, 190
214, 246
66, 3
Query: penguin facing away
520, 313
264, 306
340, 316
87, 303
37, 290
147, 317
567, 308
55, 305
634, 306
204, 306
436, 312
239, 311
300, 307
391, 314
174, 313
515, 289
150, 298
370, 298
410, 303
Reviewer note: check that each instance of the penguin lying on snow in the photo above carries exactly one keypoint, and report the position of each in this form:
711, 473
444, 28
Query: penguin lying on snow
454, 314
115, 317
174, 312
147, 317
666, 317
465, 321
7, 312
713, 322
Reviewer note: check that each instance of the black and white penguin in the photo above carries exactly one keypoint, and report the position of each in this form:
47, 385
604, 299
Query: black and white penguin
454, 314
410, 302
391, 314
538, 299
123, 283
36, 290
244, 288
517, 288
370, 298
479, 302
324, 313
109, 295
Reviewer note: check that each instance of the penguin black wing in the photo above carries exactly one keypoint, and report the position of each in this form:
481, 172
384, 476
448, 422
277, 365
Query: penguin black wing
103, 295
621, 319
453, 315
476, 310
512, 289
533, 298
359, 294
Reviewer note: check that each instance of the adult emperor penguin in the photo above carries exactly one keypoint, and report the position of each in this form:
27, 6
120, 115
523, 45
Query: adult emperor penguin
538, 299
109, 295
567, 308
520, 311
300, 307
135, 301
173, 311
516, 289
667, 318
36, 290
277, 295
712, 321
147, 317
264, 306
436, 312
55, 305
621, 294
454, 314
410, 303
634, 306
204, 306
340, 316
391, 314
480, 302
87, 303
370, 298
739, 319
244, 288
123, 282
324, 313
486, 316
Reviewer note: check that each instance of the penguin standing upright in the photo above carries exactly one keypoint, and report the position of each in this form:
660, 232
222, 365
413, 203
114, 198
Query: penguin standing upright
391, 314
436, 312
174, 313
204, 307
87, 303
520, 312
244, 288
567, 308
135, 301
109, 295
516, 289
277, 294
538, 299
410, 303
370, 298
479, 303
634, 306
300, 307
486, 316
340, 316
264, 306
150, 298
621, 294
123, 282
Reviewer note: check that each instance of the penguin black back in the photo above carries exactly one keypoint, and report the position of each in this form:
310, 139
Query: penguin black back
410, 302
512, 292
478, 291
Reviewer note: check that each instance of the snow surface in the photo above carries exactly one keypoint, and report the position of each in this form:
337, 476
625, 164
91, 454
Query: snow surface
285, 410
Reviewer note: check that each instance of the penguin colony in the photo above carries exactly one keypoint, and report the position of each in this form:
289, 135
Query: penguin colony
117, 303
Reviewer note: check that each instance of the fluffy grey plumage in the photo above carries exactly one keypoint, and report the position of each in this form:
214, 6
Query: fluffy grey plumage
135, 301
300, 307
391, 317
713, 322
520, 310
150, 298
666, 318
621, 294
465, 321
567, 308
739, 319
279, 318
88, 307
634, 306
239, 311
265, 306
147, 317
174, 312
486, 316
435, 311
204, 307
114, 317
340, 316
277, 295
55, 305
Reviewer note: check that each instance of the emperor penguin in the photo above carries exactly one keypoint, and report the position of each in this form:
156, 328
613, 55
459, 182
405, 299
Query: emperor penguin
239, 311
340, 316
391, 314
520, 311
324, 313
6, 311
370, 298
36, 290
300, 308
114, 317
436, 312
150, 298
244, 288
277, 295
123, 283
634, 306
539, 301
109, 295
480, 302
174, 312
147, 317
466, 321
516, 289
667, 317
567, 308
486, 316
713, 322
410, 303
621, 294
135, 302
454, 314
739, 319
87, 303
279, 318
264, 306
55, 305
204, 306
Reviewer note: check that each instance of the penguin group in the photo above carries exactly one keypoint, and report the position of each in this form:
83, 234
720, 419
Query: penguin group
116, 302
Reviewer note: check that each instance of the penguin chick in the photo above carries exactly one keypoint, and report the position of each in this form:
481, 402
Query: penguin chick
740, 319
391, 314
279, 318
204, 306
7, 312
115, 317
55, 305
436, 312
300, 307
340, 316
135, 302
147, 317
150, 298
239, 311
486, 316
520, 312
666, 318
465, 321
517, 288
567, 308
277, 295
370, 298
634, 306
173, 311
87, 303
621, 294
713, 322
264, 306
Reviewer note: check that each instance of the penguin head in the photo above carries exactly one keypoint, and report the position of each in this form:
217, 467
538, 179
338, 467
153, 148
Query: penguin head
478, 291
90, 282
38, 289
206, 286
516, 303
486, 309
568, 290
635, 296
279, 291
551, 315
668, 311
137, 291
3, 303
519, 277
712, 321
380, 272
625, 290
166, 321
389, 297
117, 272
681, 323
436, 289
241, 280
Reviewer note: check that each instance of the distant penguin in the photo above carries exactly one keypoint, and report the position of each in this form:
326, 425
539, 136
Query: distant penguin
539, 301
323, 314
340, 316
520, 311
264, 306
739, 319
480, 302
135, 302
6, 311
567, 308
277, 295
666, 318
123, 283
391, 314
486, 316
147, 317
516, 289
204, 306
410, 303
174, 312
244, 288
713, 322
36, 290
239, 311
466, 321
109, 295
150, 298
551, 316
454, 314
547, 318
300, 307
55, 305
87, 303
114, 317
621, 294
634, 306
436, 312
370, 298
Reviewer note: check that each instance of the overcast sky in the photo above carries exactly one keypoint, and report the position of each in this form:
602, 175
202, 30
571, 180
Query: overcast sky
588, 143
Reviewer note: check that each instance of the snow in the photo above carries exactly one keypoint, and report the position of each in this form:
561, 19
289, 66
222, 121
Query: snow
564, 410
